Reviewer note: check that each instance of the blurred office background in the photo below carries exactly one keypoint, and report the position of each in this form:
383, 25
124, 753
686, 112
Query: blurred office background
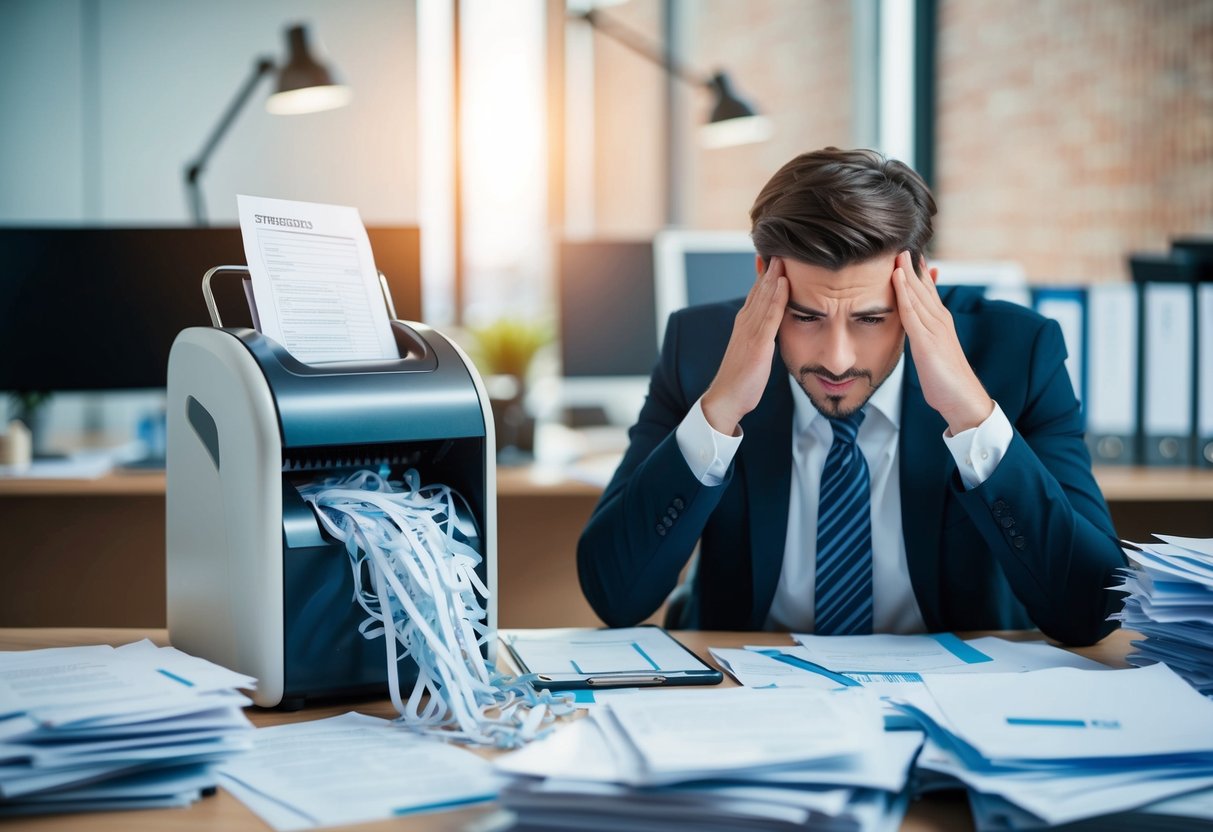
1059, 134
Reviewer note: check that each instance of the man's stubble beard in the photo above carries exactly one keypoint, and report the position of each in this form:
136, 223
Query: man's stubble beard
831, 406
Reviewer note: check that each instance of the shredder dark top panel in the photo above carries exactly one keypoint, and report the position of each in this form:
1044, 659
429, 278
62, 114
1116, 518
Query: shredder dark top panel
428, 395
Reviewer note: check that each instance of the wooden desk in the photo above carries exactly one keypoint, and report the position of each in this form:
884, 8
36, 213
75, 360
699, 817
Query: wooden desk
943, 812
97, 546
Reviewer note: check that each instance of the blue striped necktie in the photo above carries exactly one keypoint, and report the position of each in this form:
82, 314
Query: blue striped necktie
844, 537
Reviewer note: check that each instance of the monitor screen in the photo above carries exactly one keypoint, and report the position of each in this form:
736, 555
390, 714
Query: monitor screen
607, 320
698, 267
606, 308
98, 308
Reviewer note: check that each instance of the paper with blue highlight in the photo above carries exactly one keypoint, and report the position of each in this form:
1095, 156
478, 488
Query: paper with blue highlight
353, 769
1117, 713
1057, 746
889, 653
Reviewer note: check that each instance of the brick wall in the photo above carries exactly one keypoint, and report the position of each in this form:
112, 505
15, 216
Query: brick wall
791, 59
1071, 132
629, 149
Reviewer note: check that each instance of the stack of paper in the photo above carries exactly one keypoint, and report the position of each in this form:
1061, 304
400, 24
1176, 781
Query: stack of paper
1170, 602
720, 759
1065, 745
89, 728
352, 769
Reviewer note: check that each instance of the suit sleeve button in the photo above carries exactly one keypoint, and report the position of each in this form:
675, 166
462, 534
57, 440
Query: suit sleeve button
661, 530
679, 504
1019, 542
667, 522
1000, 505
672, 512
1007, 522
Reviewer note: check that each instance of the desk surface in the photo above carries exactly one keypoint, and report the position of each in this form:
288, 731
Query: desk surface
223, 812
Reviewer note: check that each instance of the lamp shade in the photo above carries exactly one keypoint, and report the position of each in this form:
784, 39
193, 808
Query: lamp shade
304, 84
732, 121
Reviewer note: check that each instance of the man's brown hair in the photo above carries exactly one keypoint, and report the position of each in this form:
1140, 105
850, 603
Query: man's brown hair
833, 208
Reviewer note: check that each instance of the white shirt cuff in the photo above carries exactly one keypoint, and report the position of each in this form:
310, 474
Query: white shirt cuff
707, 451
978, 450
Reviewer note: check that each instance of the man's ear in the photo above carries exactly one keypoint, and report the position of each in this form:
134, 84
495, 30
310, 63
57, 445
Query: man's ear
759, 265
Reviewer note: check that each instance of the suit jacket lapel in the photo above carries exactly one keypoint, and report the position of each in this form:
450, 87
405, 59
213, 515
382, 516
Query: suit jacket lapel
924, 470
766, 455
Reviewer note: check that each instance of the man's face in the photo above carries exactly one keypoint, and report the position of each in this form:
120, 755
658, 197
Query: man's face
841, 335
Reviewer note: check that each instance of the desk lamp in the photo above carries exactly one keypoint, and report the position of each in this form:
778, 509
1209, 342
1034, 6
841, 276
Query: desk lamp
732, 121
304, 86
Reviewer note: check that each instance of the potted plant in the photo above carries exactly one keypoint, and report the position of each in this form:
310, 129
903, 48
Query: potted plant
503, 351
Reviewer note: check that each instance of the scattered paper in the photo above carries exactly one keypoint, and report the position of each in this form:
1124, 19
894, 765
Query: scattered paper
353, 769
888, 653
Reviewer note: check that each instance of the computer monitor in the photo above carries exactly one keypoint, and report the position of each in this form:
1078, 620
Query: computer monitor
697, 267
90, 309
607, 318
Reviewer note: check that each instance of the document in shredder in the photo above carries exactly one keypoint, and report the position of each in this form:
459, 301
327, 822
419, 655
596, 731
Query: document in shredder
314, 280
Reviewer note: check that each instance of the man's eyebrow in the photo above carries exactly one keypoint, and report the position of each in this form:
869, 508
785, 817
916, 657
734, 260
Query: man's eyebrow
805, 310
862, 313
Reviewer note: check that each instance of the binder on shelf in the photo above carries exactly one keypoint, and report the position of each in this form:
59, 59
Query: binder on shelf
1204, 377
1200, 250
1112, 377
1067, 305
1167, 359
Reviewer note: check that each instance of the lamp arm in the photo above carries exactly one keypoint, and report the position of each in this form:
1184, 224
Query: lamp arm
193, 171
638, 44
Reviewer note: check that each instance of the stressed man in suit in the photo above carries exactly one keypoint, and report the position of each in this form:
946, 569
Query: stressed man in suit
852, 449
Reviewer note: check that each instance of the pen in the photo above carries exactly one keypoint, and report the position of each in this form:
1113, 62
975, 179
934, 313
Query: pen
1042, 722
622, 679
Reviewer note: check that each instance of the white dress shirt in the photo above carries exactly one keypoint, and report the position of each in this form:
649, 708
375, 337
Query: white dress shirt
894, 608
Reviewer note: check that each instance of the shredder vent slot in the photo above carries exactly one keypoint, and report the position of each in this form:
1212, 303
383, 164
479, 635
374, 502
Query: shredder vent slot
360, 456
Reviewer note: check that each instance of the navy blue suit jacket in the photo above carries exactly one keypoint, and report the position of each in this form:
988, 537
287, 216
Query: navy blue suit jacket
1031, 546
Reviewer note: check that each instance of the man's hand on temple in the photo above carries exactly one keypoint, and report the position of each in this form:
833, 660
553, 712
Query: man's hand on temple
746, 365
948, 381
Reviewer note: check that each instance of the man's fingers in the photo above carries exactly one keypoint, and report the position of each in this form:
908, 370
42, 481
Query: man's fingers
775, 310
909, 305
930, 307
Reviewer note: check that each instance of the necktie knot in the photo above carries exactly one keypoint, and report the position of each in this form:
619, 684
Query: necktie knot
847, 428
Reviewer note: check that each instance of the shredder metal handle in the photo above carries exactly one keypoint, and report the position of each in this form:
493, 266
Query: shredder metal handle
213, 308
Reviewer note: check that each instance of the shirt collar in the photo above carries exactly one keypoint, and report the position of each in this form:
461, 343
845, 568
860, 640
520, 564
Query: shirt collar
885, 401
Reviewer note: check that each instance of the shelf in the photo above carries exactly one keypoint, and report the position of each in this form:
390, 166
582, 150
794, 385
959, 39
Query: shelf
521, 481
1138, 484
1133, 484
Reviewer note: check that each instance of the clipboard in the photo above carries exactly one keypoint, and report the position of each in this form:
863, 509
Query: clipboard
576, 659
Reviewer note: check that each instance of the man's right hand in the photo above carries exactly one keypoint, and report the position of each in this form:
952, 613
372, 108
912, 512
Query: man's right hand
746, 365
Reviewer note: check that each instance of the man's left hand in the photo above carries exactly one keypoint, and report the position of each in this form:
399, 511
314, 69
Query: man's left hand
948, 381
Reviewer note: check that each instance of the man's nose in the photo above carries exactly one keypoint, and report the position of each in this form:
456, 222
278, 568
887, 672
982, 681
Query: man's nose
839, 353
